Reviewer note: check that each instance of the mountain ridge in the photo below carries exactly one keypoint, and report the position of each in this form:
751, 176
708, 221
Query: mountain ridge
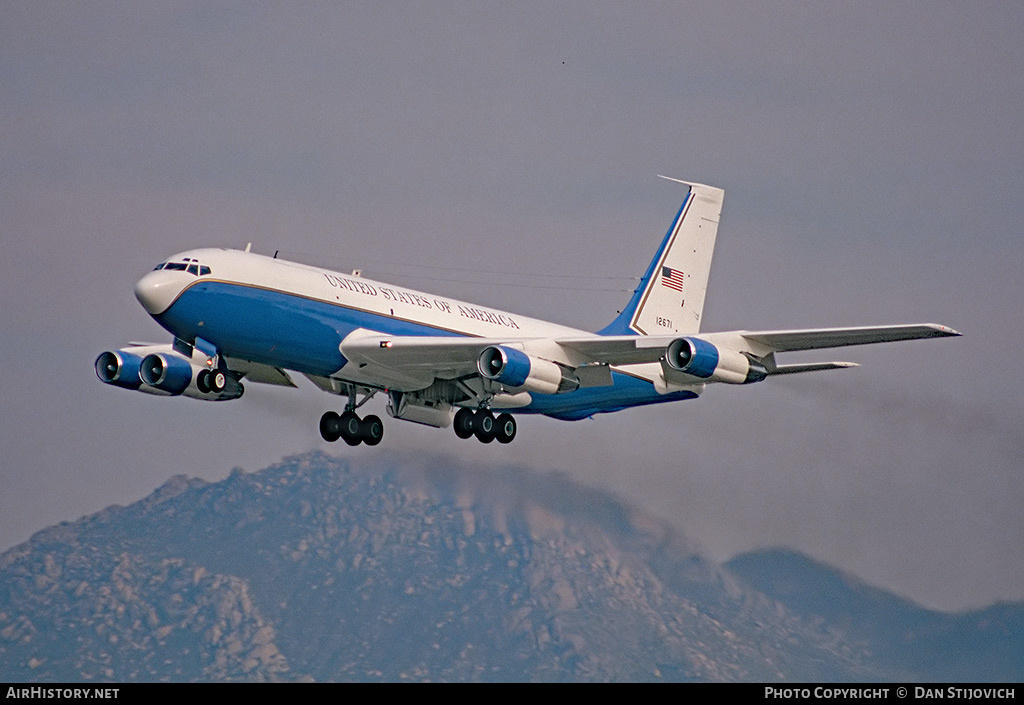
323, 568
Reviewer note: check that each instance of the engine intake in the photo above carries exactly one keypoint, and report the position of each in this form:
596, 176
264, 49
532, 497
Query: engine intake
120, 368
514, 368
167, 372
706, 361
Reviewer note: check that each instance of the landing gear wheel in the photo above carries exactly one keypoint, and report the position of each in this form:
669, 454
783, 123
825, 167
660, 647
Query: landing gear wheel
371, 430
203, 381
349, 428
217, 381
463, 423
330, 426
483, 426
505, 428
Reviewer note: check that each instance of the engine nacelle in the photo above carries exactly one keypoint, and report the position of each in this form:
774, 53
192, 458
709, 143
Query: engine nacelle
514, 368
120, 368
160, 370
168, 372
706, 361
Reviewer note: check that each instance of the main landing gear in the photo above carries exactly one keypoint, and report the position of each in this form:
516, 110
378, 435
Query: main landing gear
351, 429
468, 422
483, 424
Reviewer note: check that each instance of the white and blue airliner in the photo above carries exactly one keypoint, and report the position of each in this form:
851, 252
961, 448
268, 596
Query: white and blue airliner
236, 315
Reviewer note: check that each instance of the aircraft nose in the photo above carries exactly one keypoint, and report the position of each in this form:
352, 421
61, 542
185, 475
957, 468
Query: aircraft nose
157, 290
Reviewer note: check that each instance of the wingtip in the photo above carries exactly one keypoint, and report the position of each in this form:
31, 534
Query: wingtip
945, 330
694, 185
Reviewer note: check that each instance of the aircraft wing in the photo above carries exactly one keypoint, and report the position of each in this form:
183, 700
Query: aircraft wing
819, 338
442, 353
451, 356
616, 349
630, 349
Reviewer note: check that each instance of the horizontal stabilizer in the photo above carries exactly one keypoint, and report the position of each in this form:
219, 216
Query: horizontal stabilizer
810, 367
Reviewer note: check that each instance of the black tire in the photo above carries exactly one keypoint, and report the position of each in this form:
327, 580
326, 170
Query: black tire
484, 426
217, 380
348, 427
505, 428
203, 381
371, 430
330, 426
463, 423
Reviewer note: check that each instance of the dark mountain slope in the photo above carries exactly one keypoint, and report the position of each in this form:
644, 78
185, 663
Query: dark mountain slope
391, 569
984, 645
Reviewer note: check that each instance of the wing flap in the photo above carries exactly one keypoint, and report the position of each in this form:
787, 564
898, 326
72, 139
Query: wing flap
616, 349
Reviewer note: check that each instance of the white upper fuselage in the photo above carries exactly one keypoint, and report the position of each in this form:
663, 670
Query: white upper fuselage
157, 291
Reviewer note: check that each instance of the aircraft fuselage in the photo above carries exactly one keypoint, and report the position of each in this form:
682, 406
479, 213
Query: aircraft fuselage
296, 317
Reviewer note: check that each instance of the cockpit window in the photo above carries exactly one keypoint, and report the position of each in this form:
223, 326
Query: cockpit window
190, 265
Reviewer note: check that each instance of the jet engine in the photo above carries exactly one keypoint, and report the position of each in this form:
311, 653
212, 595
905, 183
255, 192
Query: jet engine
120, 368
158, 369
167, 372
514, 368
710, 363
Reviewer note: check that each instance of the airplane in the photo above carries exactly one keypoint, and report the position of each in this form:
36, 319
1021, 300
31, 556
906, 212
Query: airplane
236, 315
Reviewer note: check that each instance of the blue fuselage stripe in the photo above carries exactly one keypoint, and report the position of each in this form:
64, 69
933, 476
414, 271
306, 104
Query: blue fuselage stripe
625, 392
274, 327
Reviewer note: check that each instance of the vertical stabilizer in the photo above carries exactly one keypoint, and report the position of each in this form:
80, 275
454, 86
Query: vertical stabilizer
670, 297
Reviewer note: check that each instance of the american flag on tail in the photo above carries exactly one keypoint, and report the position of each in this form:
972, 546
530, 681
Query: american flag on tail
672, 278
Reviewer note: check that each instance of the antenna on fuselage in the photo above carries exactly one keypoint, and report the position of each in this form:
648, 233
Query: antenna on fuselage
248, 247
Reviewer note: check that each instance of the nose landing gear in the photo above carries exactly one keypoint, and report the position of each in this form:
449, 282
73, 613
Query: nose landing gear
214, 381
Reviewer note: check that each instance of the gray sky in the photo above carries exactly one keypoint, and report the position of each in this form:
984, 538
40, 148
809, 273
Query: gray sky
873, 164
